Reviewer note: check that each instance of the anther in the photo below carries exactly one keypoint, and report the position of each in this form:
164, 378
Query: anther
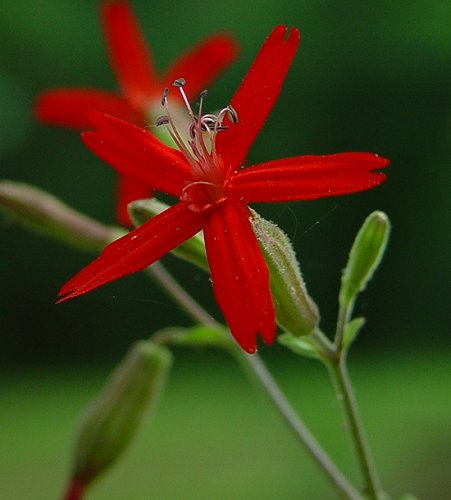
163, 120
179, 82
232, 114
164, 98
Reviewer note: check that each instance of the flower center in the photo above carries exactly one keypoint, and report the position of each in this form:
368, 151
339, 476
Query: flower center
199, 149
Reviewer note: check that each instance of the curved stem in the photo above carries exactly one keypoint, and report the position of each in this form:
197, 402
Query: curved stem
301, 431
255, 365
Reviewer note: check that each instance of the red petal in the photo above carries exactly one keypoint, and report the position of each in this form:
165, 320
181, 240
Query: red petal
136, 250
257, 94
307, 177
130, 57
129, 190
136, 153
70, 107
240, 275
202, 64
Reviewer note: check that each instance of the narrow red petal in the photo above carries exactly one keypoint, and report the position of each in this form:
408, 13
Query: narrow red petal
129, 190
70, 107
240, 275
257, 94
137, 154
130, 57
307, 177
136, 250
202, 64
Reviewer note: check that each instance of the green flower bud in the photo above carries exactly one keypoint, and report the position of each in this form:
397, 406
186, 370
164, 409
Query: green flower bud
295, 310
193, 250
43, 213
365, 256
112, 419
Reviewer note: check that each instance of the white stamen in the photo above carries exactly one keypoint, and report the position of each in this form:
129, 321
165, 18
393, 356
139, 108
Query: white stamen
202, 158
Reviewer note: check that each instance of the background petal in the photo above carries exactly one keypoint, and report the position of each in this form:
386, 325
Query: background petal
307, 177
70, 107
257, 94
130, 57
240, 275
129, 190
202, 64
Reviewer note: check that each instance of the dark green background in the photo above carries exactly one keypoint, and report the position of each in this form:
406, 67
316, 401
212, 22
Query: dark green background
369, 76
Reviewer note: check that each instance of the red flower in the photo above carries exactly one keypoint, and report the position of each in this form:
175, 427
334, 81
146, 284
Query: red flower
140, 95
214, 191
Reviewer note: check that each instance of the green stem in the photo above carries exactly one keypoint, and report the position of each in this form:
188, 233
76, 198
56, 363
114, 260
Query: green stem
255, 365
173, 288
344, 313
345, 394
334, 357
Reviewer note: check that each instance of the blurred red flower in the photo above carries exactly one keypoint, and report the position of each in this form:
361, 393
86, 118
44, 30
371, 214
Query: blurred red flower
139, 100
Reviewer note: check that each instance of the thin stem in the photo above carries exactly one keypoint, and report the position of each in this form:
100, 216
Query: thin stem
254, 364
344, 314
301, 431
345, 393
173, 288
336, 362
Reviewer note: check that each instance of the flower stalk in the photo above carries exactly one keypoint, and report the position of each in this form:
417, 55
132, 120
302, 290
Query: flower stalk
345, 393
364, 258
254, 366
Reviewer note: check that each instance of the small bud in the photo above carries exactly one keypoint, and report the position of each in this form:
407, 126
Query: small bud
193, 250
365, 256
112, 419
43, 213
295, 310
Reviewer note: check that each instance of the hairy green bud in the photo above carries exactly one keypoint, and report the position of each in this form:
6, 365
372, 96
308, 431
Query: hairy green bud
295, 310
112, 419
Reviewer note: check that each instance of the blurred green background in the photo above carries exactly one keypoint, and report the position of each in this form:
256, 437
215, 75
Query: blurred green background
369, 76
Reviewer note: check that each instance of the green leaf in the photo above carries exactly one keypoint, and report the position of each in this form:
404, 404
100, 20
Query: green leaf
195, 336
193, 250
299, 345
295, 311
351, 330
41, 212
365, 256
